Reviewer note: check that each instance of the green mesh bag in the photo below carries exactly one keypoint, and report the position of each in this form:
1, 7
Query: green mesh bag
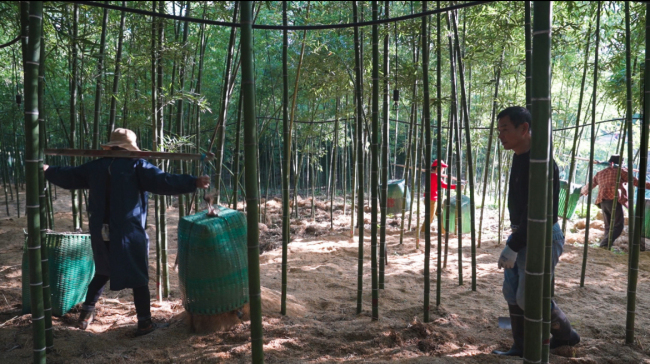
467, 219
395, 191
574, 196
213, 262
71, 269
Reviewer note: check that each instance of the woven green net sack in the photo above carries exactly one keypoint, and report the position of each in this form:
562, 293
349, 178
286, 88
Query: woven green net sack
212, 262
71, 269
395, 195
453, 217
574, 196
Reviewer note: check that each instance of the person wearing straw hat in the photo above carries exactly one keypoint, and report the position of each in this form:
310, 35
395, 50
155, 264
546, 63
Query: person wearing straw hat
606, 179
435, 169
514, 134
117, 208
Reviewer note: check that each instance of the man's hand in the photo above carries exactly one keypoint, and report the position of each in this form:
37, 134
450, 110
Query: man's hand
203, 182
45, 167
507, 259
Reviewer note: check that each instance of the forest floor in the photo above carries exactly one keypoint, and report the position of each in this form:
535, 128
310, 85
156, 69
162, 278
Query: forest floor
321, 324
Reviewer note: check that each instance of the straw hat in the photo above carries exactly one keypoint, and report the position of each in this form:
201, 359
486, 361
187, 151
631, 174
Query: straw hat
123, 138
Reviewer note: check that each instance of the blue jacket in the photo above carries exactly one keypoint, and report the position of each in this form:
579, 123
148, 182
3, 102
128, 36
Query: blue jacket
131, 179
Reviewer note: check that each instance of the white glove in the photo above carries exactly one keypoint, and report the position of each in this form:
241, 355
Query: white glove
507, 259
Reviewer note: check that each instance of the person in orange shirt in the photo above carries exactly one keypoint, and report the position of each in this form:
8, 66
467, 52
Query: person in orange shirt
606, 179
435, 169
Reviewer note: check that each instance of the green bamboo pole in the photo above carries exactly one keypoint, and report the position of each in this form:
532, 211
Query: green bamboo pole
628, 116
286, 161
250, 161
116, 82
333, 163
633, 271
575, 133
359, 153
237, 153
100, 76
489, 146
529, 55
163, 200
450, 138
539, 163
384, 153
73, 114
374, 166
426, 121
179, 103
499, 196
32, 15
547, 289
438, 155
591, 150
42, 200
470, 163
407, 169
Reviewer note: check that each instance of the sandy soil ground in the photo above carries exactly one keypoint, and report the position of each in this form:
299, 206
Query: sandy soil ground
321, 324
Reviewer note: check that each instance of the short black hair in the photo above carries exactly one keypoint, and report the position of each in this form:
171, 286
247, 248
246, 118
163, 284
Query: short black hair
517, 114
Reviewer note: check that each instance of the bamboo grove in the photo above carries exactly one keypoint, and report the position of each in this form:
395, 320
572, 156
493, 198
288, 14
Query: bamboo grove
304, 118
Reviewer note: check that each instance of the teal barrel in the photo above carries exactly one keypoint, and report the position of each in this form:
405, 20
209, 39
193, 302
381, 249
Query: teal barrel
71, 269
645, 230
396, 190
574, 196
465, 210
213, 262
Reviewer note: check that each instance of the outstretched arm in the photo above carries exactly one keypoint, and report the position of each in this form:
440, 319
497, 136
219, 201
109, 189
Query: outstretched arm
153, 180
70, 178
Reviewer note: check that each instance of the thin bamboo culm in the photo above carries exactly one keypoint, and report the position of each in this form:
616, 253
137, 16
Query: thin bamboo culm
374, 166
438, 156
286, 151
359, 155
384, 155
426, 121
32, 15
633, 270
251, 175
539, 169
591, 150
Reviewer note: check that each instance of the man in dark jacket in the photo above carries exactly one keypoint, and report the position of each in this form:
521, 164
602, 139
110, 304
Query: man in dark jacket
514, 134
117, 208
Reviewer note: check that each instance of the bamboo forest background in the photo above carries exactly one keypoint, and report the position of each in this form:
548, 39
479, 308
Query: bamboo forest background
200, 67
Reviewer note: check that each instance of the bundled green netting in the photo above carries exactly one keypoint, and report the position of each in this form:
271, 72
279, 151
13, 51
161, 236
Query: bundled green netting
645, 230
71, 270
574, 196
467, 219
396, 190
212, 262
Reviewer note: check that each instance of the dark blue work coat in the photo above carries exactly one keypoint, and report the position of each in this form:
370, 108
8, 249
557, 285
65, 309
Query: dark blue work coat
131, 179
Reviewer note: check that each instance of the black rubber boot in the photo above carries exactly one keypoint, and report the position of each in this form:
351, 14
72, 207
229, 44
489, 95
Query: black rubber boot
86, 317
517, 324
561, 330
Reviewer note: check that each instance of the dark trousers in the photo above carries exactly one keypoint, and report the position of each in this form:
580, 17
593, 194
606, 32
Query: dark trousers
141, 296
607, 207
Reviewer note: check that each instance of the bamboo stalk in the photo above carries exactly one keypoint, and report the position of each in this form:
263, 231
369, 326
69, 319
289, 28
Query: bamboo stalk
237, 152
374, 164
359, 154
629, 111
31, 16
384, 155
539, 169
250, 160
407, 170
470, 163
529, 55
116, 81
73, 113
286, 162
438, 156
426, 116
591, 150
633, 271
575, 134
100, 74
489, 146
